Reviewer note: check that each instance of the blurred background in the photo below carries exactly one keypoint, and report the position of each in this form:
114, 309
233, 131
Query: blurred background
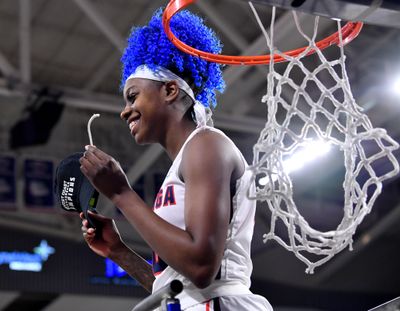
59, 64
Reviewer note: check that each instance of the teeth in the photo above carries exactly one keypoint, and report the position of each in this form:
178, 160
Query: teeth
132, 124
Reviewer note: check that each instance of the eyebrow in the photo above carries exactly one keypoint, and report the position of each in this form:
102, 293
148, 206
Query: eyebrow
132, 87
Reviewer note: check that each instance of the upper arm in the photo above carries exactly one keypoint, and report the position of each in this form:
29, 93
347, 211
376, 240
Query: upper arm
207, 168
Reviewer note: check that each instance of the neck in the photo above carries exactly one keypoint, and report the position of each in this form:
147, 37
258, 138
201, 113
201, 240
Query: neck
176, 137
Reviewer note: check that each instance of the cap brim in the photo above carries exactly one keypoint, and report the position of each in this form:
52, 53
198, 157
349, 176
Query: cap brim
88, 197
67, 169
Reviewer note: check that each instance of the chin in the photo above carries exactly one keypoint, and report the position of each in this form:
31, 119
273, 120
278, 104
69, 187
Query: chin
140, 140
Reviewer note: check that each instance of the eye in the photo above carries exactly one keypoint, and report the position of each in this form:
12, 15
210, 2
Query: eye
131, 97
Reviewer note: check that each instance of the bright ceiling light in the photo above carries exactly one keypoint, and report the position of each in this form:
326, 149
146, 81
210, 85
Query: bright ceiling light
308, 153
396, 85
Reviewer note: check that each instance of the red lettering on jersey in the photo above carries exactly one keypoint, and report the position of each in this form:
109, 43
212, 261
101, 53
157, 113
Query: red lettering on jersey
169, 198
158, 202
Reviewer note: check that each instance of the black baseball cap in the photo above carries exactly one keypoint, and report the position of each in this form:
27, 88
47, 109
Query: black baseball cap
73, 190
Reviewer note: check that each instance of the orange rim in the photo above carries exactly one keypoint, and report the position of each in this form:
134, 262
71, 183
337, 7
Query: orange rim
349, 31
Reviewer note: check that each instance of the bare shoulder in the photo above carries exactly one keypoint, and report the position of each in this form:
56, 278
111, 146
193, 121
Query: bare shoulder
210, 149
209, 136
209, 144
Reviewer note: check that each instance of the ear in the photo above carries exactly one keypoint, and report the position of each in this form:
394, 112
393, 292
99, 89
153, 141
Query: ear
172, 91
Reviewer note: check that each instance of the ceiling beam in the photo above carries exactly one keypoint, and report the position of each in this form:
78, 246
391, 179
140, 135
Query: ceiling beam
6, 68
109, 64
113, 36
102, 23
223, 25
111, 61
98, 102
25, 40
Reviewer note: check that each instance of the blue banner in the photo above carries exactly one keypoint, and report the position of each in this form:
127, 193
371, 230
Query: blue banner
38, 191
7, 182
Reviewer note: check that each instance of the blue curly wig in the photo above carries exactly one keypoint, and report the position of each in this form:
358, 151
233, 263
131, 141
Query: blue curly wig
149, 45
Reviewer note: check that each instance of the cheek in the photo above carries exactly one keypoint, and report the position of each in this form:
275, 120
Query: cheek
150, 108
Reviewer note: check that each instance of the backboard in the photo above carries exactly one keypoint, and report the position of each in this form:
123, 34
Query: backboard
376, 12
391, 305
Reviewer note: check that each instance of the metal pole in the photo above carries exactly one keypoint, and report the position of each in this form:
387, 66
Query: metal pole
164, 296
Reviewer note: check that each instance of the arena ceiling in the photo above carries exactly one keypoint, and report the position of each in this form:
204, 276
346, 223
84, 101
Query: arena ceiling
69, 51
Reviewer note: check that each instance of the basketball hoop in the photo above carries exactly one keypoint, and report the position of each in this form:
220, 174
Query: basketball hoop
331, 115
349, 32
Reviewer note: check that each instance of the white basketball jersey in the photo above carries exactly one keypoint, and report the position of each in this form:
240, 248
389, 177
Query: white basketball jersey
236, 266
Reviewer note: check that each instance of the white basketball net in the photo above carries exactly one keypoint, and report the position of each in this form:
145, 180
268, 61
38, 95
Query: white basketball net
345, 127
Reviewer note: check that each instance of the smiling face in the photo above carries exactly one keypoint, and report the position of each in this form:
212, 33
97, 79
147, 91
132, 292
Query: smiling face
144, 109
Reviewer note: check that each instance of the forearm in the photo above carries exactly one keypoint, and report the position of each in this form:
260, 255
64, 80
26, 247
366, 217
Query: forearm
175, 246
133, 264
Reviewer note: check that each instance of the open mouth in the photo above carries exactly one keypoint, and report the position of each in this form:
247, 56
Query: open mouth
133, 124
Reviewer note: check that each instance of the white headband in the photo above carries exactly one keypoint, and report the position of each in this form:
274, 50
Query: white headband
202, 114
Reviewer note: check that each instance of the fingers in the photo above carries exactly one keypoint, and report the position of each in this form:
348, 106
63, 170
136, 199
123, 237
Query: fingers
93, 151
85, 226
92, 155
93, 159
88, 233
86, 164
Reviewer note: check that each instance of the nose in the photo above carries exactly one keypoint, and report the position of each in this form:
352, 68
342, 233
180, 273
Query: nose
125, 113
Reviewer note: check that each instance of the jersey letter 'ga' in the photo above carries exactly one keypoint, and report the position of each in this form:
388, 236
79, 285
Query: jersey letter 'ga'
165, 197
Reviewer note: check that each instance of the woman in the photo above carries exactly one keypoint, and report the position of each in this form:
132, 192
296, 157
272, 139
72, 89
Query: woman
201, 224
